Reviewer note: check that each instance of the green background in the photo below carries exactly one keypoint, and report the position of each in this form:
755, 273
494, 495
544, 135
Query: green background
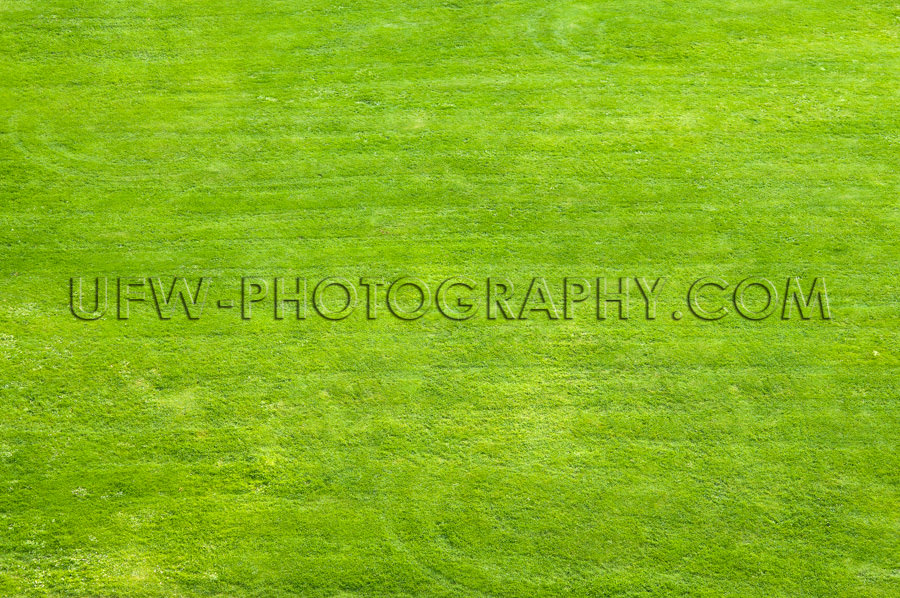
437, 458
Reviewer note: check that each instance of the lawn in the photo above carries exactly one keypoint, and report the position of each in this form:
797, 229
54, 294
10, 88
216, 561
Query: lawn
240, 454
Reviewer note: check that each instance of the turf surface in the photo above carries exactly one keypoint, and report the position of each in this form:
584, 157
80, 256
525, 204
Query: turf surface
263, 457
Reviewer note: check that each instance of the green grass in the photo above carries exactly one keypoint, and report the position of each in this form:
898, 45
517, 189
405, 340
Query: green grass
222, 457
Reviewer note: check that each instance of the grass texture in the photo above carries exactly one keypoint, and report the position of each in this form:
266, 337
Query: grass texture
507, 458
